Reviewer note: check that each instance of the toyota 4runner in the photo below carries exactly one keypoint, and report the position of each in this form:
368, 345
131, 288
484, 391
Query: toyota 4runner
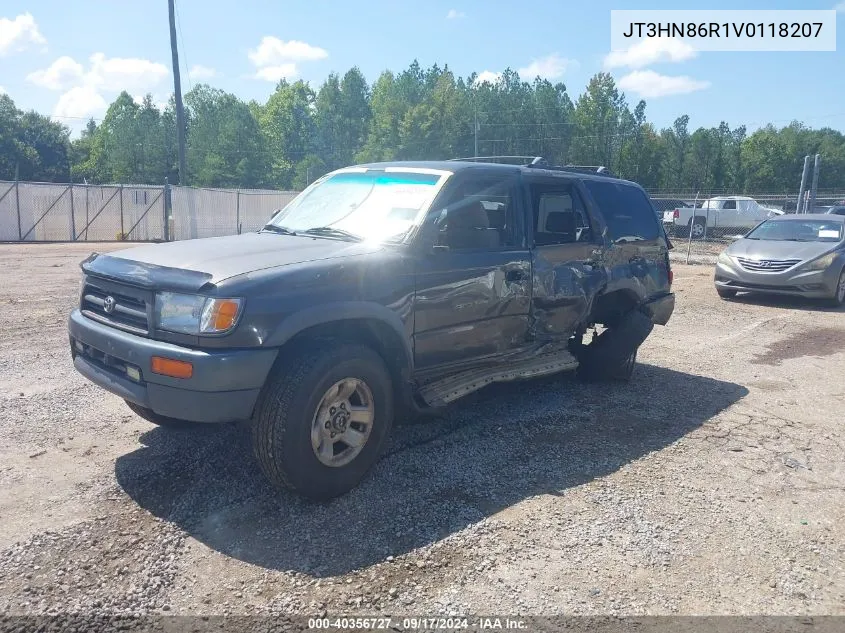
381, 291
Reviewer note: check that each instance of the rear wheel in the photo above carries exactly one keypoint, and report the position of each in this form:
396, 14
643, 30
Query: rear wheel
698, 228
726, 293
322, 419
151, 416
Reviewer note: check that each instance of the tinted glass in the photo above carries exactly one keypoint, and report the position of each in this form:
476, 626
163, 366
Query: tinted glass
489, 201
626, 210
798, 231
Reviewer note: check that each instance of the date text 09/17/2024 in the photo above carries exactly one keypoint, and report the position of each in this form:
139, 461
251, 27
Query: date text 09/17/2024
418, 623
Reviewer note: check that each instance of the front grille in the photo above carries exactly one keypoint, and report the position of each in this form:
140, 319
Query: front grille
118, 305
767, 265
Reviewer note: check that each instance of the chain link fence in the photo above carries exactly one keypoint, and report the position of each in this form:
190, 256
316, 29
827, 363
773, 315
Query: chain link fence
701, 224
42, 212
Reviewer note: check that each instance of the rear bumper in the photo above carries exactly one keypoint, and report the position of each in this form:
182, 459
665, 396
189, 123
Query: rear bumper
224, 386
660, 310
814, 285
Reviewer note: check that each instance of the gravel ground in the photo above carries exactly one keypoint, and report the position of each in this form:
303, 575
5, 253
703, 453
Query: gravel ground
711, 484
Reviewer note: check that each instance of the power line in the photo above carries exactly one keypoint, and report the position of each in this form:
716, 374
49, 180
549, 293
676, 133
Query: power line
184, 49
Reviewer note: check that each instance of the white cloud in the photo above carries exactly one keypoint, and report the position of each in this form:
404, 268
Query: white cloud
201, 72
273, 52
487, 76
650, 51
454, 14
276, 59
277, 73
80, 102
18, 34
649, 84
62, 74
124, 73
550, 67
2, 90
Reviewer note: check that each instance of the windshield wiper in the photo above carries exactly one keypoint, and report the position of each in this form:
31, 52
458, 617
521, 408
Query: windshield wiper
281, 230
330, 231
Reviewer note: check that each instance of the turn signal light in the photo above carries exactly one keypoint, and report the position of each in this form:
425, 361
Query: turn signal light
223, 314
171, 367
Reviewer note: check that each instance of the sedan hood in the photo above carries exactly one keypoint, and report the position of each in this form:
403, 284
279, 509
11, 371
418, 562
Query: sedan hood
190, 264
765, 249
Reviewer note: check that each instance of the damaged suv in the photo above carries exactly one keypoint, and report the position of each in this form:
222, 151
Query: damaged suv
381, 291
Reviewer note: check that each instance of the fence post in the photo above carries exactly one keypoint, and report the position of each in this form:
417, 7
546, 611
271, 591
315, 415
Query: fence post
814, 187
86, 211
689, 242
121, 213
18, 206
72, 213
167, 207
238, 211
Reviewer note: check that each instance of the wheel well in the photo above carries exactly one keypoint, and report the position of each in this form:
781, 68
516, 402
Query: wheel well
377, 335
610, 307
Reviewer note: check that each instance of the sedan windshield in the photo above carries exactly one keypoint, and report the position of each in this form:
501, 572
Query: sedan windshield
798, 231
380, 205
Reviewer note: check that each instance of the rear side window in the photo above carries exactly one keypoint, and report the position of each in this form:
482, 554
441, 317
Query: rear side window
626, 210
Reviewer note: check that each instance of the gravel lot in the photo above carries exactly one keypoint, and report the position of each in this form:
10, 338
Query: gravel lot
711, 484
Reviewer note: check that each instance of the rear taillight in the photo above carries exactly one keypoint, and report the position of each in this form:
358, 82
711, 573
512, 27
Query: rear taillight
676, 214
671, 276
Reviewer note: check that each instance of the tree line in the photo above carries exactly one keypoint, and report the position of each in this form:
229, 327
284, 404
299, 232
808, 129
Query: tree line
300, 133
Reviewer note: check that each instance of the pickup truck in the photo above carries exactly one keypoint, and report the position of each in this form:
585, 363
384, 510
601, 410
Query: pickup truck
716, 216
381, 291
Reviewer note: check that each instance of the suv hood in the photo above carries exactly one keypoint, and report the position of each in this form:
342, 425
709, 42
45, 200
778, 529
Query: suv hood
190, 264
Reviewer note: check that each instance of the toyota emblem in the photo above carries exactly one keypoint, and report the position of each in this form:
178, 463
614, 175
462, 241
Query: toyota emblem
108, 304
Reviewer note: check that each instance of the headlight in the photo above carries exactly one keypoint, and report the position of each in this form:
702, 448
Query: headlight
195, 314
821, 263
725, 259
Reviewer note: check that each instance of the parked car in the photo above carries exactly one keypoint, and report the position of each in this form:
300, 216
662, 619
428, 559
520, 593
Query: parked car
800, 255
717, 215
382, 290
836, 210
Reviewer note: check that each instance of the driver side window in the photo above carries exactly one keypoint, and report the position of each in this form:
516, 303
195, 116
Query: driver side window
479, 214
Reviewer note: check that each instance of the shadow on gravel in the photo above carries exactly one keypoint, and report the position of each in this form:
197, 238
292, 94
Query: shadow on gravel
486, 453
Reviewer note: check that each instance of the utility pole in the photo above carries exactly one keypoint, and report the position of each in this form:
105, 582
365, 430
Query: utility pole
177, 86
800, 206
811, 204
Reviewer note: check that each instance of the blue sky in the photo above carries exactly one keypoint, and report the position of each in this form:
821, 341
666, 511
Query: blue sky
71, 62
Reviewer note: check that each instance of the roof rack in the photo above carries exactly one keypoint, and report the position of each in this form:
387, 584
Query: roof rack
538, 162
601, 170
522, 159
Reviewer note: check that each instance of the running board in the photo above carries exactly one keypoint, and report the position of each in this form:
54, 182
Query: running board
446, 390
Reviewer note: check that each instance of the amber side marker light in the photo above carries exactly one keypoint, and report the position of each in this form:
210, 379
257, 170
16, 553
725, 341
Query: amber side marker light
172, 368
223, 315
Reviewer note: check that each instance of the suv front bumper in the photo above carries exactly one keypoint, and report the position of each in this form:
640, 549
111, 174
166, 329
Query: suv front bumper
223, 387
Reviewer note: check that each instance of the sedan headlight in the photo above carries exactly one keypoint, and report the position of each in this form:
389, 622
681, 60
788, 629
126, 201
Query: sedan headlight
195, 314
725, 259
821, 263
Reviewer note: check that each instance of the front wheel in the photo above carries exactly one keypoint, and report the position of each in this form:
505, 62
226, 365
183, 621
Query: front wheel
322, 419
838, 298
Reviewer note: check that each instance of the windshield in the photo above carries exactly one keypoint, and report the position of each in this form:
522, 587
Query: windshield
380, 205
798, 231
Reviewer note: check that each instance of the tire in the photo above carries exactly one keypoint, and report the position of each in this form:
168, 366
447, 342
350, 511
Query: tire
726, 294
613, 355
838, 299
295, 421
698, 227
160, 420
